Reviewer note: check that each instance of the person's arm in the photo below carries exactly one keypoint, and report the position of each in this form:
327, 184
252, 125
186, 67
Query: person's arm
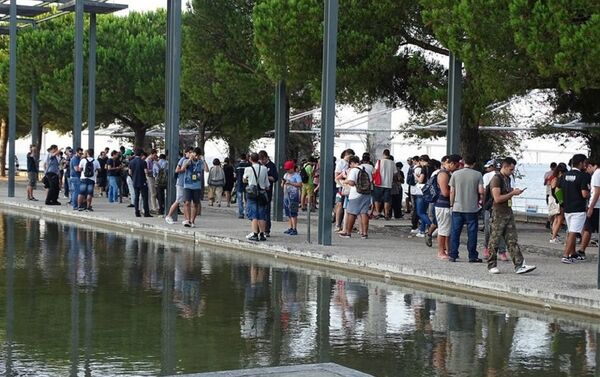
452, 196
442, 180
593, 201
500, 198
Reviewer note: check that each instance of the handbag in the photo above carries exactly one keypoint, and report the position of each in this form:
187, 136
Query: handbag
553, 206
377, 174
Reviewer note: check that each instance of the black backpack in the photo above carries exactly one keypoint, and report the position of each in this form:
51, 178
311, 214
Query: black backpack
410, 178
304, 174
88, 171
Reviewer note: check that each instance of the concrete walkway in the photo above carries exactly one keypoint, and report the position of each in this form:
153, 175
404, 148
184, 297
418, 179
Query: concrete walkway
310, 370
390, 252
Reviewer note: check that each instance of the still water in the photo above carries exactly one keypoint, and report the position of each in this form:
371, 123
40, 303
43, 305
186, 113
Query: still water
75, 301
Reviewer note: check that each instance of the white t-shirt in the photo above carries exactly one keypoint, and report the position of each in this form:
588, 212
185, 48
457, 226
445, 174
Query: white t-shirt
340, 166
261, 174
416, 189
595, 186
487, 177
387, 168
82, 164
353, 176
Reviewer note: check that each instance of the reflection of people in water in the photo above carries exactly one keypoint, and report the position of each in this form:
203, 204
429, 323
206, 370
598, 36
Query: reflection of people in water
187, 295
254, 321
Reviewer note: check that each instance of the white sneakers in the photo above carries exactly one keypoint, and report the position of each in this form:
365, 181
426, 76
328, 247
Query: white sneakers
521, 270
169, 220
420, 235
414, 231
556, 241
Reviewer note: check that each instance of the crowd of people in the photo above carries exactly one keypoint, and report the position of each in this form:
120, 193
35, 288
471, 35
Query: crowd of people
442, 197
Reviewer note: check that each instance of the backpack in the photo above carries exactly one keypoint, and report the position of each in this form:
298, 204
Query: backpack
88, 171
304, 174
410, 178
431, 190
161, 178
363, 183
216, 177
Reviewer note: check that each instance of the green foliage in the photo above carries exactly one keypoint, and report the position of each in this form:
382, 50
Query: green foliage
374, 59
223, 76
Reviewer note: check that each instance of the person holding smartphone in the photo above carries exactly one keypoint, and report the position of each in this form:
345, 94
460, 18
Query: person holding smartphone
503, 219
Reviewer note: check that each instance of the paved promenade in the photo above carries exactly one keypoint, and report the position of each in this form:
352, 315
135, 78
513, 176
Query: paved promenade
390, 252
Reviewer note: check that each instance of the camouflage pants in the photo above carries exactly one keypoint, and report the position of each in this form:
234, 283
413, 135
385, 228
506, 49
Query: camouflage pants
504, 228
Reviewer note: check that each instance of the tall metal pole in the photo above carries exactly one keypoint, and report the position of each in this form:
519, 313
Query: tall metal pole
281, 141
78, 80
12, 98
328, 120
173, 91
454, 104
598, 259
35, 126
10, 294
92, 83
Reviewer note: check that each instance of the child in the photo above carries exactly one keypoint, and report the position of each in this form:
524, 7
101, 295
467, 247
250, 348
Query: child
291, 183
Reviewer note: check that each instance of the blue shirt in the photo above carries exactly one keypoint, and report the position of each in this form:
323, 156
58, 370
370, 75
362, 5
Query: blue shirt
75, 160
292, 192
180, 175
194, 175
52, 164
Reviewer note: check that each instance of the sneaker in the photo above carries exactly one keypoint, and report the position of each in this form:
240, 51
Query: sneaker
339, 230
429, 240
364, 236
555, 241
192, 225
288, 231
476, 260
249, 235
262, 237
504, 257
186, 224
267, 234
494, 271
567, 260
240, 216
414, 231
420, 235
81, 209
525, 269
293, 232
580, 256
169, 220
253, 238
345, 235
90, 209
593, 243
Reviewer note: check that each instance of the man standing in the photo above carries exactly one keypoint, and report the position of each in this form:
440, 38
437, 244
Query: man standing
411, 182
88, 167
193, 182
443, 213
52, 172
466, 196
150, 161
138, 173
503, 220
575, 185
113, 172
161, 176
256, 176
273, 175
180, 191
593, 211
382, 192
75, 177
240, 187
32, 172
340, 169
492, 168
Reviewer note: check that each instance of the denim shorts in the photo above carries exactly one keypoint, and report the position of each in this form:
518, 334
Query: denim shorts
359, 205
86, 187
192, 195
290, 207
256, 211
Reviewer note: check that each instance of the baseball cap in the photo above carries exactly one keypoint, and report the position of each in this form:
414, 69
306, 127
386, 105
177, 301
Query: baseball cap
289, 165
490, 163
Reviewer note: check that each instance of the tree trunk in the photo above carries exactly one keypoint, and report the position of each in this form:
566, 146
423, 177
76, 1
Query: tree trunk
3, 145
593, 142
202, 134
140, 136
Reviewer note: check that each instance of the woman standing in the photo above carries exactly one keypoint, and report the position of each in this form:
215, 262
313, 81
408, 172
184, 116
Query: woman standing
229, 171
557, 196
216, 182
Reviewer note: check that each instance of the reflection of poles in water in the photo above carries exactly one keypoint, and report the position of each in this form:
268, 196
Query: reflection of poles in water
73, 259
89, 300
10, 292
167, 315
276, 310
323, 317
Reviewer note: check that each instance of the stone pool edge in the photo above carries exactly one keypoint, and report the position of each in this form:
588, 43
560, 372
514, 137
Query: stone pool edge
535, 298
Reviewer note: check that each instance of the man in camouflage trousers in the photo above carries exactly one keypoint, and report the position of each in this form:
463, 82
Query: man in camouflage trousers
503, 219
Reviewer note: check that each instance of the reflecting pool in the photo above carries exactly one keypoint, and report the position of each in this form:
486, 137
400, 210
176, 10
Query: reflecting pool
79, 301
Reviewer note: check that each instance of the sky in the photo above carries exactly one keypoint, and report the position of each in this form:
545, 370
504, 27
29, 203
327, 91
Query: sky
144, 5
